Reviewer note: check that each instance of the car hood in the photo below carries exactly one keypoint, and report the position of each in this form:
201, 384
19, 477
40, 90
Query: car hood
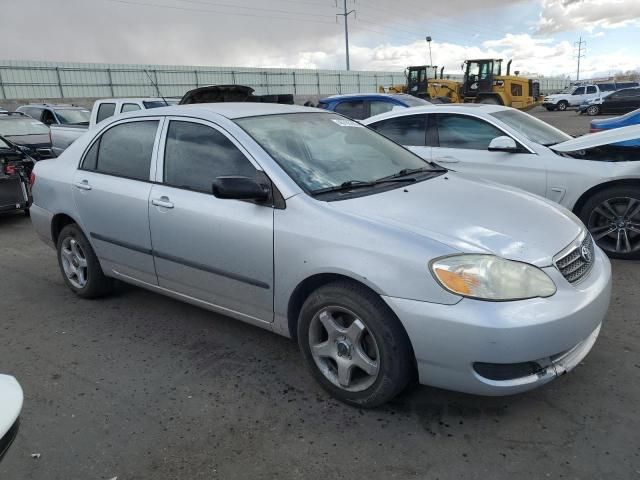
473, 216
599, 139
11, 398
34, 141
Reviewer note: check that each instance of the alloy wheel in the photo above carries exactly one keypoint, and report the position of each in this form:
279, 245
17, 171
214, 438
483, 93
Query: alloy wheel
593, 110
74, 262
615, 225
343, 349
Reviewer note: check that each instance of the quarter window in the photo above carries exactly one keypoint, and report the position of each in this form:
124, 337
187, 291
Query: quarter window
195, 155
124, 150
352, 109
460, 131
105, 110
407, 130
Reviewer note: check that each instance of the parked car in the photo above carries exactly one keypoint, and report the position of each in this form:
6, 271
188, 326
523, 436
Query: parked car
15, 169
630, 119
622, 101
26, 132
57, 114
11, 398
571, 97
307, 223
360, 106
231, 93
613, 86
508, 146
63, 135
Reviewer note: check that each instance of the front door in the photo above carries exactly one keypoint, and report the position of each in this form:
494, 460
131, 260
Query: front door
218, 251
462, 145
111, 191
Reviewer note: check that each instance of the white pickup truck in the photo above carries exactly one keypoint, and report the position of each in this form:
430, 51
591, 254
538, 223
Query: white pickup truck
62, 135
572, 97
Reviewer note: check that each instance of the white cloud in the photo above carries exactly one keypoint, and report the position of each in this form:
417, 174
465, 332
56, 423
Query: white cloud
569, 15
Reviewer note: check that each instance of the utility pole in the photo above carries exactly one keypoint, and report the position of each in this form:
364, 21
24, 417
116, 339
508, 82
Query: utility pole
581, 46
346, 29
428, 39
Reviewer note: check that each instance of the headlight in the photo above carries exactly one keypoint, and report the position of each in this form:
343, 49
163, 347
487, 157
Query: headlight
488, 277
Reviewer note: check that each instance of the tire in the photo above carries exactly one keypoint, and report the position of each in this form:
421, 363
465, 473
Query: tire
489, 101
27, 213
593, 110
382, 341
550, 109
562, 105
92, 283
613, 218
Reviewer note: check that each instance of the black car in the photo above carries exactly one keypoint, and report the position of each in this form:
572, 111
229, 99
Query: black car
15, 170
56, 114
22, 130
622, 101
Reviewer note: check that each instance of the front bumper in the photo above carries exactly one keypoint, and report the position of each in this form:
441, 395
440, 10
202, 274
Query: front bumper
555, 333
8, 438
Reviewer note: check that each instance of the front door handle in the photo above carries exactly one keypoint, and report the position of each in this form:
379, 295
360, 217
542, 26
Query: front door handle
163, 202
446, 160
83, 185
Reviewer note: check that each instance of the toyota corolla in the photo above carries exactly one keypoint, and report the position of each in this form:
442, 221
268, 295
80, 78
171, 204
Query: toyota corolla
385, 267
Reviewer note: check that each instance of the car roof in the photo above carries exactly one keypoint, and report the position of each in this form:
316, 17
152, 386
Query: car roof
363, 96
54, 106
134, 99
230, 110
439, 108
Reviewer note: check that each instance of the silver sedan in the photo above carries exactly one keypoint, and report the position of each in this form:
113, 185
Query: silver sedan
385, 267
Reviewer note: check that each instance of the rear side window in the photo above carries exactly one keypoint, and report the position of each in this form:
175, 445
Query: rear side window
378, 107
105, 110
460, 131
353, 109
129, 107
124, 150
592, 89
409, 130
195, 155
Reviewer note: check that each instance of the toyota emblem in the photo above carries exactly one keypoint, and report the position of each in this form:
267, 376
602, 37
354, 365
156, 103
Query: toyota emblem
586, 254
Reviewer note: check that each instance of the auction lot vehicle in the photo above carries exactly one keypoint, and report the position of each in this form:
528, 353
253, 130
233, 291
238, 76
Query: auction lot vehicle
573, 97
622, 101
360, 106
630, 119
26, 132
63, 135
302, 221
11, 398
588, 175
56, 114
15, 168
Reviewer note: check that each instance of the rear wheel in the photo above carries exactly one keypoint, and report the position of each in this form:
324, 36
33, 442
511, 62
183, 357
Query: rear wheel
79, 265
562, 105
613, 218
593, 110
354, 345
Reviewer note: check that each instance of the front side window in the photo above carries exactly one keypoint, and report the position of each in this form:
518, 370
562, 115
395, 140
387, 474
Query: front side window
322, 150
579, 91
124, 150
69, 116
105, 110
460, 131
407, 130
195, 155
353, 109
129, 107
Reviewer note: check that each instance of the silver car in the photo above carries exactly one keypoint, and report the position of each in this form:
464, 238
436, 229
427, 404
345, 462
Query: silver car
384, 266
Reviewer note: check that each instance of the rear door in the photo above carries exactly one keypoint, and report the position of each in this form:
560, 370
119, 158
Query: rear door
407, 130
462, 145
111, 191
219, 251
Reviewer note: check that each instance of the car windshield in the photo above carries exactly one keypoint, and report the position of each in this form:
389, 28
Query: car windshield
322, 150
69, 116
156, 104
22, 126
412, 101
535, 130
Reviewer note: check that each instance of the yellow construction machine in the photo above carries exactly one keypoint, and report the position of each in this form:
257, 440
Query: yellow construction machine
419, 84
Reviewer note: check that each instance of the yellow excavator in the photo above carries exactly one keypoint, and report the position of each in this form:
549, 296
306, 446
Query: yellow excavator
483, 82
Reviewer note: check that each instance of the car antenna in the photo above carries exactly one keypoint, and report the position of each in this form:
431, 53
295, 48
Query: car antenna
157, 89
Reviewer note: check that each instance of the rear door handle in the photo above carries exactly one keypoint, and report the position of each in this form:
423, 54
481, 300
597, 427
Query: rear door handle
162, 202
83, 185
447, 160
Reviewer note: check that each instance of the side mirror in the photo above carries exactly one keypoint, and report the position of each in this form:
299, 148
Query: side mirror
503, 144
239, 188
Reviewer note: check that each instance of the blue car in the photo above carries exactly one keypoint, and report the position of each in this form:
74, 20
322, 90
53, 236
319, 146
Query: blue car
631, 118
364, 105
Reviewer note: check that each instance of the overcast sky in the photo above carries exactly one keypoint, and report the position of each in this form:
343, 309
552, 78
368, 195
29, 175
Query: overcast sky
385, 35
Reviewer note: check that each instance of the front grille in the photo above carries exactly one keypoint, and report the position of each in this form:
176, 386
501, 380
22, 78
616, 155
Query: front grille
576, 263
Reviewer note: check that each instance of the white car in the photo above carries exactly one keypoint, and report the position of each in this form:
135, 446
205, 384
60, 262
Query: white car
590, 175
11, 398
572, 97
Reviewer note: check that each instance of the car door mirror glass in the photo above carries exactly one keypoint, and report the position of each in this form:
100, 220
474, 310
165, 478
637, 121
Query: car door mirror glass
503, 144
239, 188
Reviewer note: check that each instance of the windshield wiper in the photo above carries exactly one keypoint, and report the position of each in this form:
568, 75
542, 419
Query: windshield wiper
410, 171
352, 184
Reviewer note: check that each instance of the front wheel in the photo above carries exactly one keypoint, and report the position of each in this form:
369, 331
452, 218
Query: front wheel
593, 110
613, 218
354, 345
562, 105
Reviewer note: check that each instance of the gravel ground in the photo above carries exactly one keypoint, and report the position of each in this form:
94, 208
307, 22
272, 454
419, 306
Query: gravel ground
140, 386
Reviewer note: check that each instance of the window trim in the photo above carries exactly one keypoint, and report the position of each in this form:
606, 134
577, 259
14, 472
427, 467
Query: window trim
154, 152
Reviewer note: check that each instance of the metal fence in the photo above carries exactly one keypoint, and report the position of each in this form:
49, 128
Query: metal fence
73, 80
